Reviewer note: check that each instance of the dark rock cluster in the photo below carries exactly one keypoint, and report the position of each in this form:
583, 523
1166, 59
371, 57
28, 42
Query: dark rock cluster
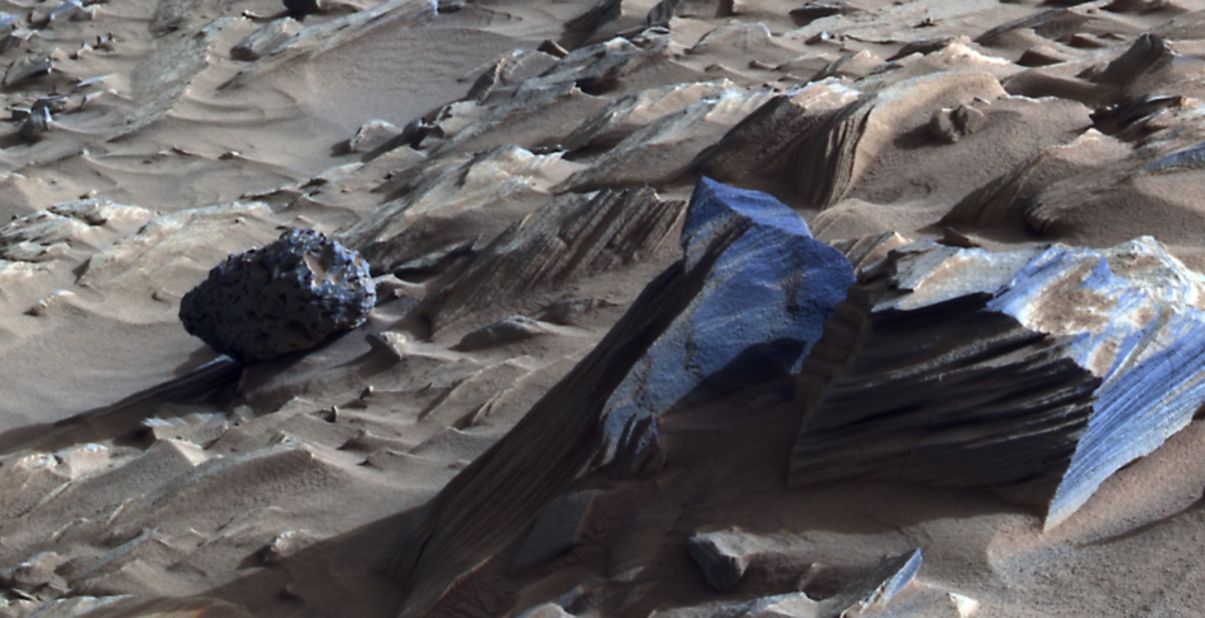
290, 295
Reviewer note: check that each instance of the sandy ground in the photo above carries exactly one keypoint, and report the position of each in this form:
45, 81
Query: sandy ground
136, 478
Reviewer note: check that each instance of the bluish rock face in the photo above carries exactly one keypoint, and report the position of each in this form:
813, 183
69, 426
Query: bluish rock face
290, 295
763, 304
972, 368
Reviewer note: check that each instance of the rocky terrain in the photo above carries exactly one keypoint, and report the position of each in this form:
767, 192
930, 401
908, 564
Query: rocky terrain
679, 308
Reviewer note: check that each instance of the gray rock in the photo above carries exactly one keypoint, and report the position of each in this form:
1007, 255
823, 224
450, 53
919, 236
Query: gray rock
371, 135
1053, 365
290, 295
27, 67
951, 124
508, 330
722, 556
264, 38
556, 530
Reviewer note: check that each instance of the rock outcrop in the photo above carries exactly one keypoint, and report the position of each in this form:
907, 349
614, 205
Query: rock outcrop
963, 367
744, 305
762, 306
290, 295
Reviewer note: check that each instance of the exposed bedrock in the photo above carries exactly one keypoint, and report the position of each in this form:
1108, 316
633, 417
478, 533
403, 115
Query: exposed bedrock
762, 307
572, 235
962, 367
744, 305
833, 157
290, 295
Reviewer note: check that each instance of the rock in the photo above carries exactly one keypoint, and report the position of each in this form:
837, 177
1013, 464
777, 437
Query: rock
976, 368
557, 529
544, 610
868, 595
285, 544
371, 135
299, 9
877, 588
1149, 53
664, 149
825, 157
263, 38
951, 124
572, 235
27, 67
1042, 55
1049, 24
390, 343
288, 296
762, 306
722, 556
1005, 198
751, 294
453, 204
509, 330
761, 144
569, 312
510, 70
816, 9
32, 128
725, 555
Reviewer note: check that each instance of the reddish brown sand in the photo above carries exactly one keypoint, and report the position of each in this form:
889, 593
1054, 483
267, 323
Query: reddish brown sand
282, 493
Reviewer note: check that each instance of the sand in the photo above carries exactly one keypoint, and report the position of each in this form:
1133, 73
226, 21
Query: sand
137, 478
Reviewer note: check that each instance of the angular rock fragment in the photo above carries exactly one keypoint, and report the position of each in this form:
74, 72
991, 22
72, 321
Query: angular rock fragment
760, 145
962, 367
950, 125
27, 67
744, 305
509, 330
723, 557
762, 307
290, 295
876, 589
263, 38
816, 9
634, 111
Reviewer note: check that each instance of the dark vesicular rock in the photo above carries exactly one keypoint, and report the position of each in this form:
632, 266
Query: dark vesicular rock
290, 295
760, 309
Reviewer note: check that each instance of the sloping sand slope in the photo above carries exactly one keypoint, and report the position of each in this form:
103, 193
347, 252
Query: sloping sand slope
528, 184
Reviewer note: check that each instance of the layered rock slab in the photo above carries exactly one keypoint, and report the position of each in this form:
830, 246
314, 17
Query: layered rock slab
963, 367
762, 307
744, 305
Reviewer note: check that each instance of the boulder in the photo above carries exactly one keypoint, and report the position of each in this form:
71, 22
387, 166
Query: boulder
761, 307
290, 295
962, 367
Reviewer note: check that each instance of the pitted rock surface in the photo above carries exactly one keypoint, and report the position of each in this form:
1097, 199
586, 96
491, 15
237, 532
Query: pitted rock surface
288, 296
